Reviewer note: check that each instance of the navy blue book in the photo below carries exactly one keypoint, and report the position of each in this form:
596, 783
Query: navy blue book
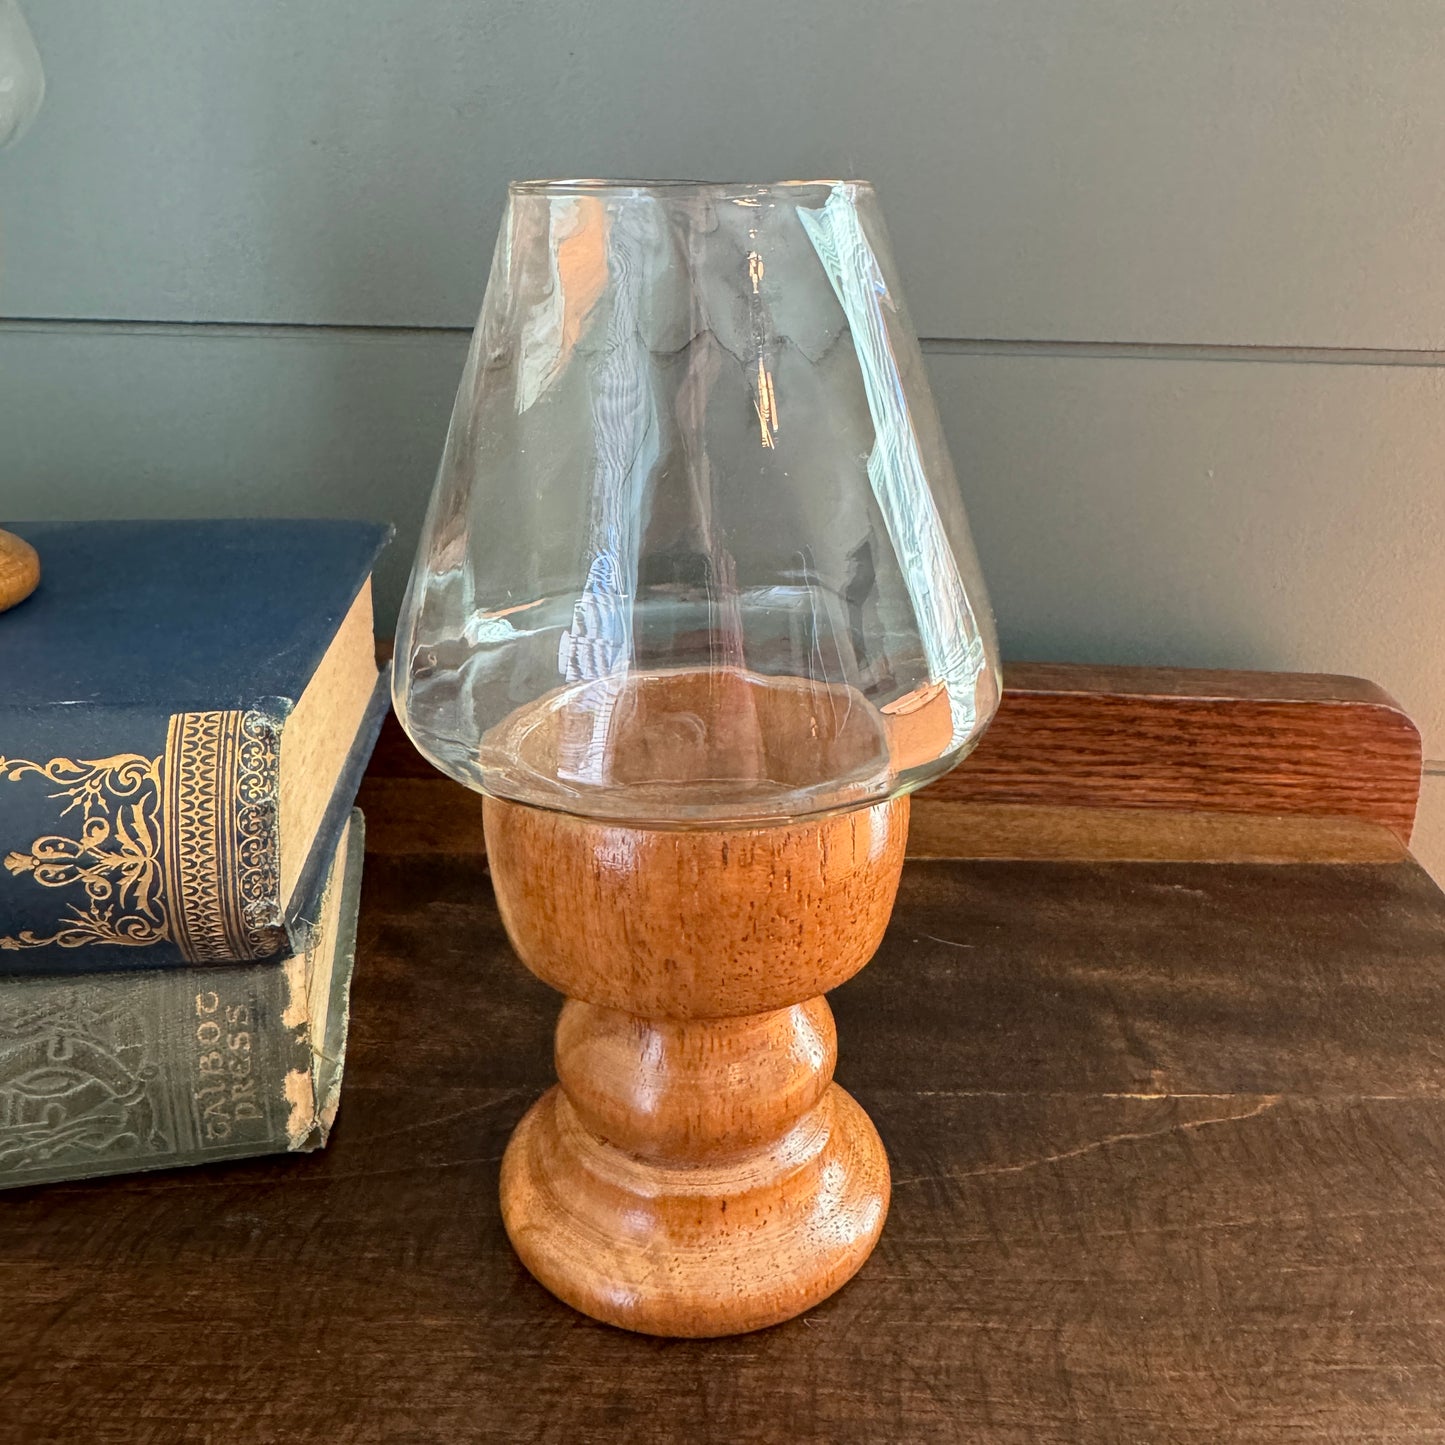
186, 709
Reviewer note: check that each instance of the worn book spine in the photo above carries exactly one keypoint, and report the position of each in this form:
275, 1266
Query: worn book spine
138, 838
118, 1072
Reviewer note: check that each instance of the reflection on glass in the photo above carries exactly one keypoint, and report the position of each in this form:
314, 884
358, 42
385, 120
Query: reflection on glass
696, 552
22, 80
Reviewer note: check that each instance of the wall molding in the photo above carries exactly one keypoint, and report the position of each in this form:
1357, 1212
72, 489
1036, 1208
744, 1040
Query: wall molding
935, 345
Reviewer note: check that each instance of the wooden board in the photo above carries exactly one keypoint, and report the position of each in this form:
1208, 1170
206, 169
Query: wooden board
943, 829
1246, 742
1165, 1140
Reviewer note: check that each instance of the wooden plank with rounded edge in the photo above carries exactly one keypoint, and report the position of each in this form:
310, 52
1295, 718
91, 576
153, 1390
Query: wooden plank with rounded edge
1234, 742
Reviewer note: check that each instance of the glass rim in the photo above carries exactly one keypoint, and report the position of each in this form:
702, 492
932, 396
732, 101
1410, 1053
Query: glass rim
593, 185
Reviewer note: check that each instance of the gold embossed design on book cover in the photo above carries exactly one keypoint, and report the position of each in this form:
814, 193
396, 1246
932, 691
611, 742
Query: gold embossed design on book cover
114, 857
222, 848
183, 847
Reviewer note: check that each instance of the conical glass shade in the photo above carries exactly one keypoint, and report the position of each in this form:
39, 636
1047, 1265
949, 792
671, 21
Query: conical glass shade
696, 553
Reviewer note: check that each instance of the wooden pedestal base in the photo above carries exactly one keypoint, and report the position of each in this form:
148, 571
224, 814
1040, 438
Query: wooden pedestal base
696, 1171
679, 1250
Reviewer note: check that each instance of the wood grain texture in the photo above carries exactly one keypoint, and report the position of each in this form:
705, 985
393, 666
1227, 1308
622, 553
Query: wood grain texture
695, 1250
652, 1086
703, 923
1165, 1142
19, 570
1196, 740
696, 1173
939, 828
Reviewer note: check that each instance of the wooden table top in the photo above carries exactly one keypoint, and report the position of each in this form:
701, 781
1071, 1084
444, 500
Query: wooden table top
1168, 1146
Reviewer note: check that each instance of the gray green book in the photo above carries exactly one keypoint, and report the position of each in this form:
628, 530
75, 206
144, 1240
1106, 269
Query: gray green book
110, 1073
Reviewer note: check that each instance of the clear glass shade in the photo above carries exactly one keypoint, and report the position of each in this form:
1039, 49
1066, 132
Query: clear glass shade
696, 554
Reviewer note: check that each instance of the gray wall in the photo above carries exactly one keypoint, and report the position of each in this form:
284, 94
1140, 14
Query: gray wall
1182, 268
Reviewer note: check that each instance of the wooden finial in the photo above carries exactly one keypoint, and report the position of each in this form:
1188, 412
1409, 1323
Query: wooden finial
19, 570
696, 1171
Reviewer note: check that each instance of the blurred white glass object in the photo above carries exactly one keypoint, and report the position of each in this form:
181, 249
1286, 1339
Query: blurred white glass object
22, 80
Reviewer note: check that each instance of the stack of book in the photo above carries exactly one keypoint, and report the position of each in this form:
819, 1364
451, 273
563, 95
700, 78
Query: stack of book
186, 709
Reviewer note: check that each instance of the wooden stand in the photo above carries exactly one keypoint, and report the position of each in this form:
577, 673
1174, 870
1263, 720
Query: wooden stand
696, 1171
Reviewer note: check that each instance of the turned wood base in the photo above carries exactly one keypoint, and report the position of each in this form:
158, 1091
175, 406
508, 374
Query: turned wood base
696, 1172
678, 1250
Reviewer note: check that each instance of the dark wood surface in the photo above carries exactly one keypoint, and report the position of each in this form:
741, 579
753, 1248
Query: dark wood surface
1167, 1142
1166, 1133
